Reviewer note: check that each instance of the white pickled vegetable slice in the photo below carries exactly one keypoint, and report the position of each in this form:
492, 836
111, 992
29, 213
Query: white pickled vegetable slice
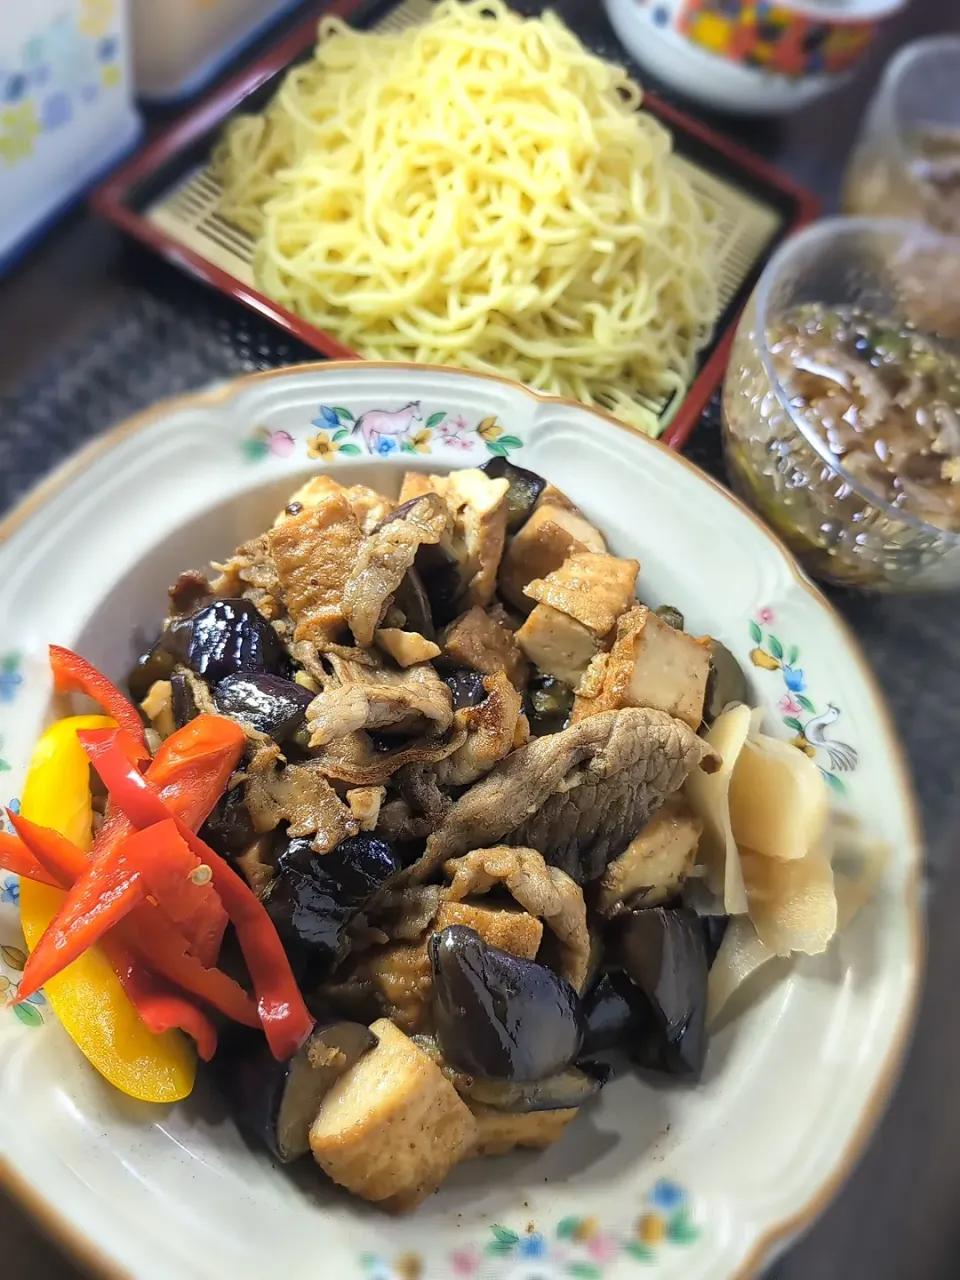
792, 904
859, 861
709, 796
741, 954
778, 799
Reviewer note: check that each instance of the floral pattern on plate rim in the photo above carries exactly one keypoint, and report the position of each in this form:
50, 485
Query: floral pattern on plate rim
580, 1248
341, 433
797, 710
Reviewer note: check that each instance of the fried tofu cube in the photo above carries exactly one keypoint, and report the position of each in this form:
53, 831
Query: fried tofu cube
509, 928
500, 1131
650, 665
553, 532
656, 862
392, 1127
557, 644
368, 506
365, 805
314, 552
593, 587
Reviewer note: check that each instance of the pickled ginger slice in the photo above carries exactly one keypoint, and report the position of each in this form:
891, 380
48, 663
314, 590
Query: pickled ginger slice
778, 799
709, 796
741, 954
793, 904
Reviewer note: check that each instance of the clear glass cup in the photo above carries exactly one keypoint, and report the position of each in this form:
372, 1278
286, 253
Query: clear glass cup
906, 163
777, 453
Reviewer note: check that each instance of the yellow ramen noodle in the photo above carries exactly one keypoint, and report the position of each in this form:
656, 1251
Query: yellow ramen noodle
479, 191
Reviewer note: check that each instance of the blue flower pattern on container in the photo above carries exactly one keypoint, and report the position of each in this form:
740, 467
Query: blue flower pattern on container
577, 1249
61, 71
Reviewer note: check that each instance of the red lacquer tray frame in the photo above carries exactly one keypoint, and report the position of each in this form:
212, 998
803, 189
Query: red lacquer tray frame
120, 200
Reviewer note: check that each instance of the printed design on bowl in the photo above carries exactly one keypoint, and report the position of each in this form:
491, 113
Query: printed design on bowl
773, 37
798, 712
10, 683
342, 433
13, 958
580, 1248
60, 72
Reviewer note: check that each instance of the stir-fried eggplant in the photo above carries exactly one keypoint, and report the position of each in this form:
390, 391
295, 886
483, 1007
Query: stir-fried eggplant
614, 1011
442, 581
661, 950
313, 898
466, 687
277, 1102
271, 704
548, 703
182, 702
225, 637
525, 488
414, 603
571, 1088
229, 829
714, 927
499, 1016
726, 682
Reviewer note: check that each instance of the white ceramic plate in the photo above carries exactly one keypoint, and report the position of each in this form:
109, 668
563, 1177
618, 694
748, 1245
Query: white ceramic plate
700, 1182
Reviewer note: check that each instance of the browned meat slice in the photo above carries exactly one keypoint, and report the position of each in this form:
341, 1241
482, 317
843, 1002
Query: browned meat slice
368, 506
251, 573
480, 641
314, 553
256, 863
651, 664
189, 591
301, 796
595, 588
384, 558
578, 796
491, 733
354, 760
405, 912
379, 699
406, 648
546, 892
554, 531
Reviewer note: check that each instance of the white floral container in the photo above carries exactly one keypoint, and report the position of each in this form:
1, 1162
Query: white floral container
180, 45
66, 110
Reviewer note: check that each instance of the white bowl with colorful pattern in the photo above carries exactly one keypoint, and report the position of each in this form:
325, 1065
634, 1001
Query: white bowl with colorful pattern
702, 1182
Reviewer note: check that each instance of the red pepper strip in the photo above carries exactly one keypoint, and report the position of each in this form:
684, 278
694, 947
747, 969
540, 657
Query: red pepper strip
160, 1008
16, 857
286, 1020
73, 674
146, 932
190, 770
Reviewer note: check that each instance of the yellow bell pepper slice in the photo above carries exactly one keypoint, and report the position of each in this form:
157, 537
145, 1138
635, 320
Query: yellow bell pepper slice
87, 996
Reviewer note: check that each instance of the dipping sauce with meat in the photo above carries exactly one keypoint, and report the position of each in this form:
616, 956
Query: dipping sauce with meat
883, 397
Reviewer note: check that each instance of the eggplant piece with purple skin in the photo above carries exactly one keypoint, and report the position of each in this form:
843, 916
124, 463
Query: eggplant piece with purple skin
312, 898
277, 1102
271, 704
525, 488
499, 1016
614, 1011
215, 641
442, 580
662, 951
228, 828
571, 1088
714, 927
466, 687
548, 703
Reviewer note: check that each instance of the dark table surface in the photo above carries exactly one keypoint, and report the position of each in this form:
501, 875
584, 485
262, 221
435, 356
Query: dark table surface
91, 329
